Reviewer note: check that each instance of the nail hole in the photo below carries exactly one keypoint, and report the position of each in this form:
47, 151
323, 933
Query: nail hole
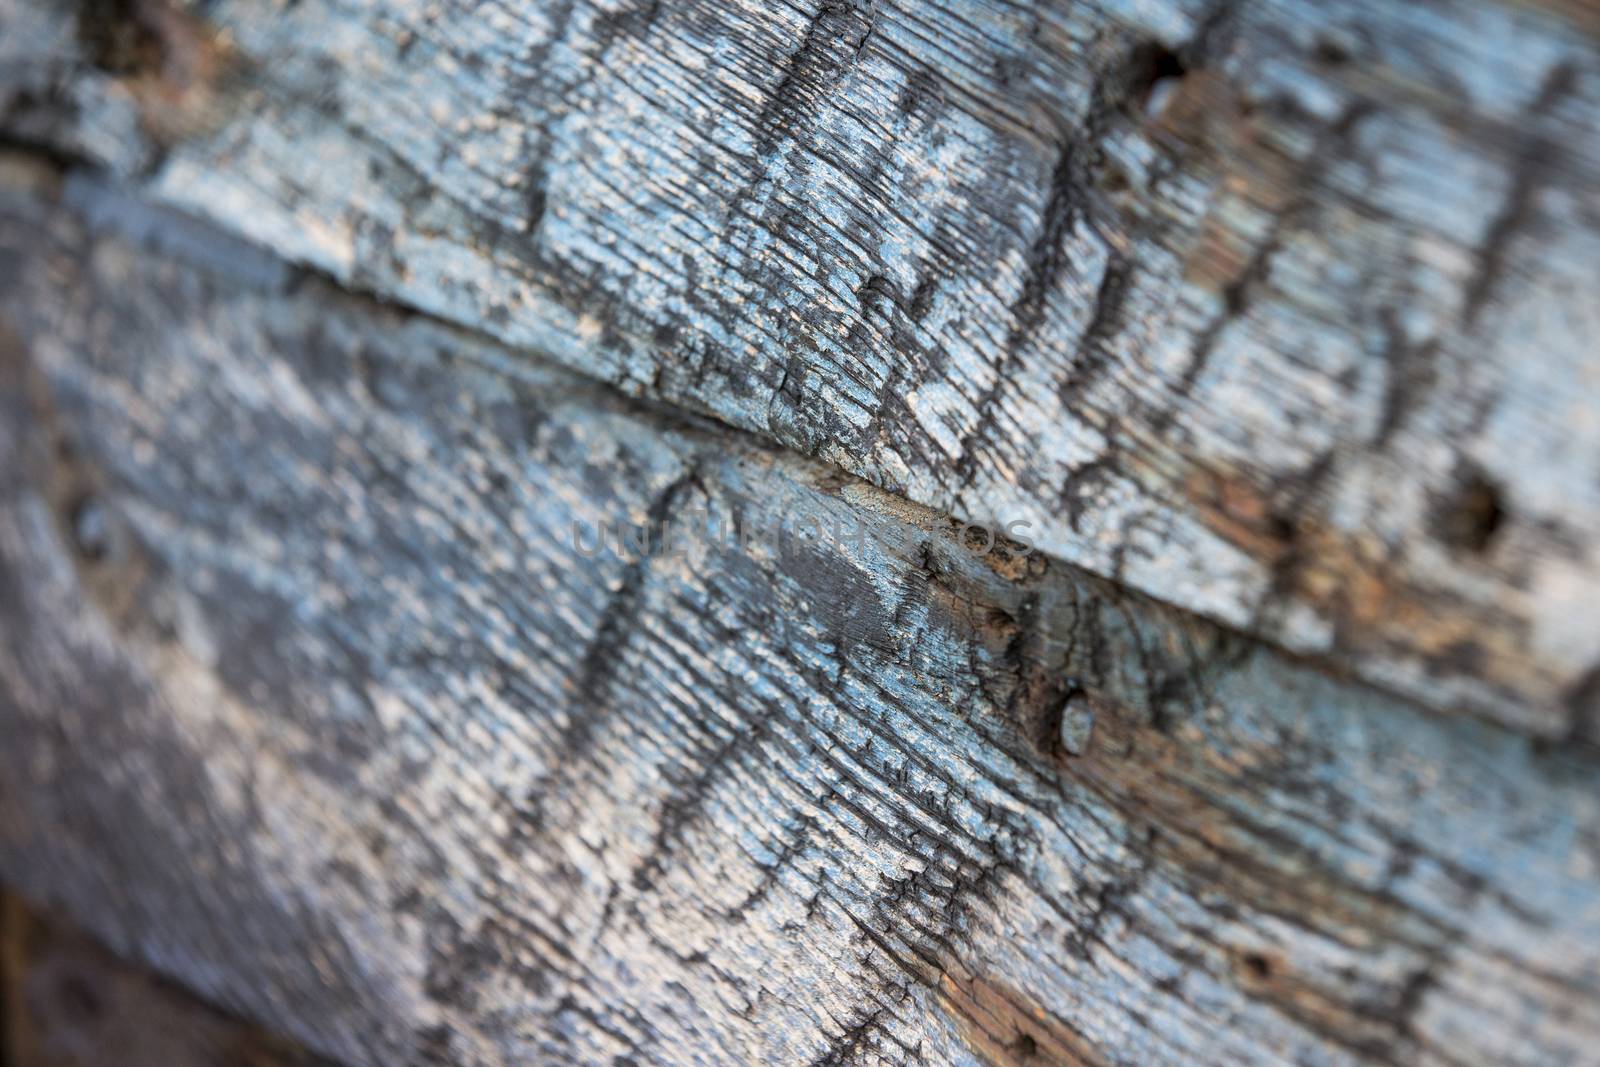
922, 298
1076, 725
1474, 516
91, 528
1233, 298
1258, 965
1582, 700
538, 201
1154, 71
118, 37
1027, 1048
1331, 52
878, 287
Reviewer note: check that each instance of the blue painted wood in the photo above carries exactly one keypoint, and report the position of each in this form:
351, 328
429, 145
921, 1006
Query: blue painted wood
331, 721
1278, 312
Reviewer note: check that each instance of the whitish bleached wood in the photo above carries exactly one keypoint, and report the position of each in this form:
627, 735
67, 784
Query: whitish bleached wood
306, 700
1282, 312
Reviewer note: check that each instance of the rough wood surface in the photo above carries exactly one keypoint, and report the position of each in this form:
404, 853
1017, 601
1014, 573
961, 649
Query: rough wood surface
307, 700
1281, 312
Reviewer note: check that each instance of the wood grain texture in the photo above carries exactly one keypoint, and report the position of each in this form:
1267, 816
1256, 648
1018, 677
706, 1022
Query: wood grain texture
308, 701
1279, 312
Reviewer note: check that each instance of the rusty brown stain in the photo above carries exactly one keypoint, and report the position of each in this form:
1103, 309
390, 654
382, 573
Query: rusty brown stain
13, 963
175, 68
1191, 791
1236, 509
1004, 1026
1348, 577
1211, 123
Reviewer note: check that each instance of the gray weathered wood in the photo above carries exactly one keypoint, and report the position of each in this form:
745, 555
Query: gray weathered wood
1280, 312
307, 700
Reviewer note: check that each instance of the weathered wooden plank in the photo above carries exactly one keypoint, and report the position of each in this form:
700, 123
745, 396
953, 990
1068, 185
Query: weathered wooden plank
1280, 312
308, 700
